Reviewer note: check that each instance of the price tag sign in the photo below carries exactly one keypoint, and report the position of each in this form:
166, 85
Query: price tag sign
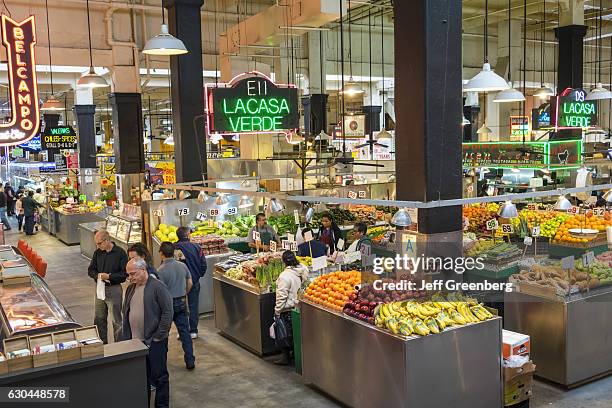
535, 231
532, 207
507, 228
232, 211
492, 224
256, 236
588, 258
528, 241
286, 245
550, 207
211, 223
213, 212
319, 263
308, 236
159, 212
296, 216
340, 245
352, 195
599, 211
573, 210
273, 246
200, 216
183, 212
290, 237
362, 194
567, 263
294, 246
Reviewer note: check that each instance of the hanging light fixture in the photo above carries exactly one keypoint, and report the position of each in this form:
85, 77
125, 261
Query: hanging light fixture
543, 91
608, 196
484, 130
508, 210
164, 43
275, 206
91, 79
245, 202
383, 134
351, 88
52, 103
599, 92
221, 199
465, 121
511, 94
401, 218
169, 140
563, 203
323, 136
486, 80
203, 197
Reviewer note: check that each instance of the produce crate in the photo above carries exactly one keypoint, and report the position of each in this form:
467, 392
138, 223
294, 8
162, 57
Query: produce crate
297, 339
89, 350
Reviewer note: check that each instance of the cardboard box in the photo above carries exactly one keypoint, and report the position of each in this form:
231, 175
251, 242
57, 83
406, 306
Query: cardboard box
89, 350
510, 373
43, 359
515, 344
70, 353
518, 383
14, 344
271, 185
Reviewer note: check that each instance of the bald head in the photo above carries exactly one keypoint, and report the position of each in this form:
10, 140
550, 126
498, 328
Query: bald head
103, 241
136, 269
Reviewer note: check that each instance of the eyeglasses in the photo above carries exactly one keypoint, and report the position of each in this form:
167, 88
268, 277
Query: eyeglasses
98, 243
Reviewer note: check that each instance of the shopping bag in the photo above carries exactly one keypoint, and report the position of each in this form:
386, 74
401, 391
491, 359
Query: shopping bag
100, 289
281, 333
272, 330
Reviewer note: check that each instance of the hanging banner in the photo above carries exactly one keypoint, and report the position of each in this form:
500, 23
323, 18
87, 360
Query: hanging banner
519, 128
251, 103
33, 145
60, 137
573, 111
354, 125
19, 40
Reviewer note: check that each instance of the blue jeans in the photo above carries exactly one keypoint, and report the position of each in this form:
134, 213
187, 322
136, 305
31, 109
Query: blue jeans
181, 321
157, 373
193, 300
5, 220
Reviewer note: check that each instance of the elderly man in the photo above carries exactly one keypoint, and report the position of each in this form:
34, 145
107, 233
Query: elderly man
147, 315
108, 264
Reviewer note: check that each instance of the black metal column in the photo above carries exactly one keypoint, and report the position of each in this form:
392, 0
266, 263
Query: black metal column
428, 108
128, 132
315, 113
87, 135
184, 22
569, 63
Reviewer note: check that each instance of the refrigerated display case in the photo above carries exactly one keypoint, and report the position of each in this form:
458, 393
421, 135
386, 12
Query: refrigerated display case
124, 230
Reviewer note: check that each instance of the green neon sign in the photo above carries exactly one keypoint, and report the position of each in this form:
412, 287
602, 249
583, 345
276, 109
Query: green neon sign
574, 111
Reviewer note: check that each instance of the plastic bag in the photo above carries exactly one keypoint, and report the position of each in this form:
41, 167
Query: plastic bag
272, 331
100, 289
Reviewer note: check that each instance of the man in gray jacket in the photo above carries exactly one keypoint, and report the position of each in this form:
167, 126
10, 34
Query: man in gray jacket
147, 315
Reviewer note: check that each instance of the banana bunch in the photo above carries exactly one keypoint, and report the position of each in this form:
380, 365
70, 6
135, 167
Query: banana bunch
422, 318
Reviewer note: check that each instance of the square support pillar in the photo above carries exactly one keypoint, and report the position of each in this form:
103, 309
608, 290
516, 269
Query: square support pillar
127, 132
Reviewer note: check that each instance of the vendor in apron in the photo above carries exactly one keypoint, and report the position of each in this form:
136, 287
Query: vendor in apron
266, 234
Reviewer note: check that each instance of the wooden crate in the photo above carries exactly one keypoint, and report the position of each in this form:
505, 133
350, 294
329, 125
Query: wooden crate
14, 344
89, 350
67, 354
43, 359
3, 366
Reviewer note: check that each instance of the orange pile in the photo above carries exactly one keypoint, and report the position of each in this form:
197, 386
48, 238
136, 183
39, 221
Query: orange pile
580, 221
333, 290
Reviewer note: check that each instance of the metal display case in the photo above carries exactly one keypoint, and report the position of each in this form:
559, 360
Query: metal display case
67, 225
31, 308
87, 232
363, 366
570, 338
124, 231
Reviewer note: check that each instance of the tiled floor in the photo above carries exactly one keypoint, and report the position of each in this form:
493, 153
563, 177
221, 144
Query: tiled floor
228, 376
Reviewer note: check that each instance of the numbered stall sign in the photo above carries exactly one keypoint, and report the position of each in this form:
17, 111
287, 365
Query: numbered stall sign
159, 212
183, 212
213, 212
535, 231
492, 224
232, 211
273, 246
352, 195
362, 194
507, 228
200, 216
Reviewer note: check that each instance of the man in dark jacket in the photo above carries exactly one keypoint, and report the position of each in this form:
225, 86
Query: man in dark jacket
108, 264
29, 208
147, 315
10, 198
3, 218
193, 256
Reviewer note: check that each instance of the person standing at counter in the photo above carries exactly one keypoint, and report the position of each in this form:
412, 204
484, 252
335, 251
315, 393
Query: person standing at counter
147, 315
175, 275
330, 233
10, 198
266, 234
29, 209
19, 209
193, 256
3, 203
108, 263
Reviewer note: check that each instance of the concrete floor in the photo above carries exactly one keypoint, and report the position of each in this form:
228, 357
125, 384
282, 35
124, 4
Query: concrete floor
227, 375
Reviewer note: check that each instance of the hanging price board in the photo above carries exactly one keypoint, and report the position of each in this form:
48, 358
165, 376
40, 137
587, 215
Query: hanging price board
159, 212
492, 224
352, 195
183, 212
200, 216
232, 211
213, 212
507, 228
362, 194
550, 207
294, 246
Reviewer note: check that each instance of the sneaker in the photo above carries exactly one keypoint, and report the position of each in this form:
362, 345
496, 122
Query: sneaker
190, 366
194, 335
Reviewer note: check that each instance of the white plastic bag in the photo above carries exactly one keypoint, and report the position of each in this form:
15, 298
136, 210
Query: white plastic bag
273, 330
100, 289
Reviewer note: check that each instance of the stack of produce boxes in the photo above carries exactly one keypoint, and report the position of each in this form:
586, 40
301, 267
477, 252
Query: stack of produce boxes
518, 368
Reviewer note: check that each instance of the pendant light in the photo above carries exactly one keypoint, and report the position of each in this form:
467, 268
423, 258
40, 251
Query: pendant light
91, 79
484, 130
401, 218
221, 199
508, 210
52, 103
384, 135
465, 121
563, 203
510, 94
351, 88
486, 80
245, 202
544, 91
164, 43
599, 92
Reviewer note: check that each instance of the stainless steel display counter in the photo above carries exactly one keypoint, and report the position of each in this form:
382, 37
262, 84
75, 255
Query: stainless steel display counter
243, 315
363, 366
87, 231
123, 362
571, 340
67, 225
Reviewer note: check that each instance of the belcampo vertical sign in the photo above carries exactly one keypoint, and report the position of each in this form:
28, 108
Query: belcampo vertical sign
251, 103
19, 40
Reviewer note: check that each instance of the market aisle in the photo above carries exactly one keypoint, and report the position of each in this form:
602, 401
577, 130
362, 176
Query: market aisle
227, 375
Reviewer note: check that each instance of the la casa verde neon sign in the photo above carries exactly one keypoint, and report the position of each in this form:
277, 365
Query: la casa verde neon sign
574, 111
252, 103
19, 40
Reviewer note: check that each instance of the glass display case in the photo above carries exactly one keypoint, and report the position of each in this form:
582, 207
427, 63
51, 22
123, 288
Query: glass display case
124, 229
31, 308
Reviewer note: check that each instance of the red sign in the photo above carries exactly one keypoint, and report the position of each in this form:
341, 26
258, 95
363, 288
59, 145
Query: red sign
19, 40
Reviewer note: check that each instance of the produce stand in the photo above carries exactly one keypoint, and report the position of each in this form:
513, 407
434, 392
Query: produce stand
67, 225
363, 366
243, 314
570, 338
87, 231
